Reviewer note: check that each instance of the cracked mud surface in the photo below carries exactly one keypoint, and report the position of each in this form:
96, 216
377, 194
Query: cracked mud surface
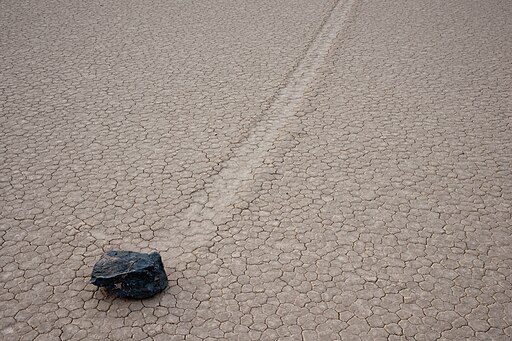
308, 170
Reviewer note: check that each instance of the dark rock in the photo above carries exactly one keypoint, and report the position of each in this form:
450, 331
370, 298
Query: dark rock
130, 274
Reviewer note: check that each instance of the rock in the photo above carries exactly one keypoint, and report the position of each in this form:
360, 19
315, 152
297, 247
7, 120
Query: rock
130, 274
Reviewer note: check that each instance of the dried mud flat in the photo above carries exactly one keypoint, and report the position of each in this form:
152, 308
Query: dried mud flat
308, 170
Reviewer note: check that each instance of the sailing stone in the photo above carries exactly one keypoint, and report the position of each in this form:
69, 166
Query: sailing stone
130, 274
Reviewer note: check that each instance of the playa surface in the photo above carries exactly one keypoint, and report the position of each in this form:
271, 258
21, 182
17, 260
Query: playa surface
308, 170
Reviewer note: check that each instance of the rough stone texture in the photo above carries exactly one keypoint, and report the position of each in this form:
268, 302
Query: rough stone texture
130, 274
329, 172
